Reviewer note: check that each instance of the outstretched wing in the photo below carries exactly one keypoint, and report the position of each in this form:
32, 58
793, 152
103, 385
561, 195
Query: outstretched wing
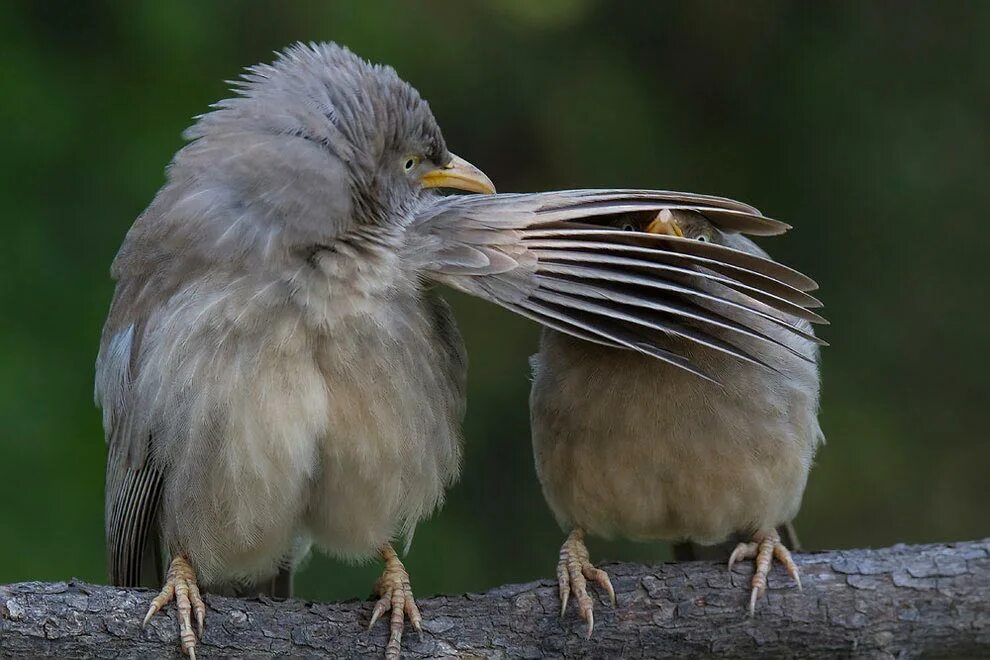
554, 258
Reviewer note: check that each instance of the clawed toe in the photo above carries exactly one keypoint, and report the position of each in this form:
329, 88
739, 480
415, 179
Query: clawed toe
574, 570
395, 596
181, 586
764, 548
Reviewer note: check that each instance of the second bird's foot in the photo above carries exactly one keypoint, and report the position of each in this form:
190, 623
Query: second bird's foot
574, 569
764, 548
395, 595
181, 586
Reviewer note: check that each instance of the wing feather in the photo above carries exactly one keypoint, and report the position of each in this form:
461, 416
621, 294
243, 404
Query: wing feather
665, 244
569, 320
560, 264
616, 306
133, 486
789, 301
624, 277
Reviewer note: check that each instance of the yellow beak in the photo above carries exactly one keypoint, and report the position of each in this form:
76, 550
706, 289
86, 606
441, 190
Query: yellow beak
665, 223
458, 174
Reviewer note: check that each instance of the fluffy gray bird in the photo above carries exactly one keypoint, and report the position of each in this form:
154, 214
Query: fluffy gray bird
275, 372
691, 451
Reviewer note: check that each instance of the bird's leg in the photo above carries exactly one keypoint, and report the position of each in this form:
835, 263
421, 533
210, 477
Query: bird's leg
395, 595
764, 547
574, 569
181, 585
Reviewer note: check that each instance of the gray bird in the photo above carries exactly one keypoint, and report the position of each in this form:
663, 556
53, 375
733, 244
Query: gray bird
275, 371
648, 449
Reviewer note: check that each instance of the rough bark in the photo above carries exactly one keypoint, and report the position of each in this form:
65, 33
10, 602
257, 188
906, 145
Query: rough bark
903, 601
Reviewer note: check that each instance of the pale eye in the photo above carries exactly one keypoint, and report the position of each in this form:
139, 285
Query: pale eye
410, 162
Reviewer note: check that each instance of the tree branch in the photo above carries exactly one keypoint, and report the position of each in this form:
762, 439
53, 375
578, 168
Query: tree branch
903, 600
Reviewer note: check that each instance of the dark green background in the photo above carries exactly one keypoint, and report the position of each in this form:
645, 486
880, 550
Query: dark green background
864, 124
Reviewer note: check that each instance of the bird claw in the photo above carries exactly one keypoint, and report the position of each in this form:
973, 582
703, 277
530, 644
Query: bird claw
181, 586
574, 569
395, 595
764, 548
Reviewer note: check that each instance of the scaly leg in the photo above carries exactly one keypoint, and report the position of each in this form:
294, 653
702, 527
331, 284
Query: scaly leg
764, 547
573, 572
181, 585
395, 595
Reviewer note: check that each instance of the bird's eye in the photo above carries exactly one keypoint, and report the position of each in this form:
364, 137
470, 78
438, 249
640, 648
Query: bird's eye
410, 162
627, 226
702, 238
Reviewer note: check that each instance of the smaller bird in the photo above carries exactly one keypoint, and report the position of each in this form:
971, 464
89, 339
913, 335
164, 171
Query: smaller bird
714, 442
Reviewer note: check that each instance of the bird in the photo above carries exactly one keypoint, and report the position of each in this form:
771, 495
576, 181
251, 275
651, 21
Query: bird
649, 450
277, 371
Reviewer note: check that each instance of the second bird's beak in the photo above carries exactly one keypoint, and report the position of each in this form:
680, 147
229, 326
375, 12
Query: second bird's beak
458, 174
665, 223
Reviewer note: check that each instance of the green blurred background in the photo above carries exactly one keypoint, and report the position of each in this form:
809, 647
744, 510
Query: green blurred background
864, 124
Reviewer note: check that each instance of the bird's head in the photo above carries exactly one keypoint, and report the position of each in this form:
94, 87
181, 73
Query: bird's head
672, 222
318, 143
685, 223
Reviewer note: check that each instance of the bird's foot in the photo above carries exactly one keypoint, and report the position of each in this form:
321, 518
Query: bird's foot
573, 572
764, 547
181, 585
396, 595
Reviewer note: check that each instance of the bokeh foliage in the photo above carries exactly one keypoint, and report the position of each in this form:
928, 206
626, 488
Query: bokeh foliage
864, 124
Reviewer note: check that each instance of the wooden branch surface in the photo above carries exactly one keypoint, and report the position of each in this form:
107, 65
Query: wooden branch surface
902, 601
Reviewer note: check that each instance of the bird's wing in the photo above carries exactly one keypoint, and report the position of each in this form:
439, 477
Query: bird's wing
133, 485
554, 258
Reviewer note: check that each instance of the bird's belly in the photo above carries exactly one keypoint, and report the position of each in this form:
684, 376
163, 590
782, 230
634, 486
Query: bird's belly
651, 491
236, 500
343, 441
391, 446
644, 473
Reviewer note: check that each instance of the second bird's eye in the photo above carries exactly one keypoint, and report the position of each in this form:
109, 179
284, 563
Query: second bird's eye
702, 238
410, 162
626, 226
